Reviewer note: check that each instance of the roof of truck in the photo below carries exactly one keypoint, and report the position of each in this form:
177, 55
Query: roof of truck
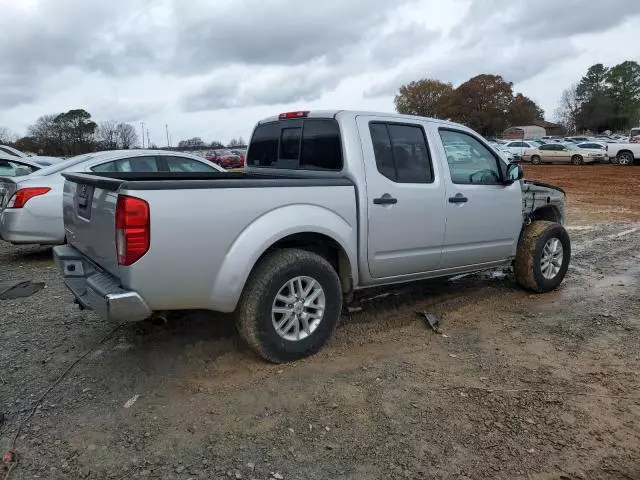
356, 113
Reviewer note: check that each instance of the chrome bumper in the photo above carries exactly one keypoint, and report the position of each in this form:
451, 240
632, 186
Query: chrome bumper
97, 290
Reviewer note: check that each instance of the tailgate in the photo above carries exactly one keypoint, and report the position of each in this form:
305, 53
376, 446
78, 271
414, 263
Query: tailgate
89, 209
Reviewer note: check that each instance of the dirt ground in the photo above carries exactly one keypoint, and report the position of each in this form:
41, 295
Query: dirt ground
520, 386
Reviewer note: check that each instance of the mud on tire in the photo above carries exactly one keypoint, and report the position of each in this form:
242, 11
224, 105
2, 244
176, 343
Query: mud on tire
255, 319
528, 265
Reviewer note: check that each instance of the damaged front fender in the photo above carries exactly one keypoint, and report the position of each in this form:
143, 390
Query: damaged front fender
541, 201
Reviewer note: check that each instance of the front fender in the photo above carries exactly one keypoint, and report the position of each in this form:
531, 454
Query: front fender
267, 230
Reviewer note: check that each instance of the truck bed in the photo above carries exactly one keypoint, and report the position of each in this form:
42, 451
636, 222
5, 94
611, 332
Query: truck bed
205, 228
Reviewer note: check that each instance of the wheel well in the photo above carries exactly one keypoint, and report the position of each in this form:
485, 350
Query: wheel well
625, 151
550, 213
324, 246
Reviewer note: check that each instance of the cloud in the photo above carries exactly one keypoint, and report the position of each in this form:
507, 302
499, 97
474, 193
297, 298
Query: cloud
196, 64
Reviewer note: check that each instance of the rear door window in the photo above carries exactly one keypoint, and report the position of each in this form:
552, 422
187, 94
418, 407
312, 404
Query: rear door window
401, 152
309, 144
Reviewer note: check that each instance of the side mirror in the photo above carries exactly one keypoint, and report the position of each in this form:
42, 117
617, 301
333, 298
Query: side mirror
514, 173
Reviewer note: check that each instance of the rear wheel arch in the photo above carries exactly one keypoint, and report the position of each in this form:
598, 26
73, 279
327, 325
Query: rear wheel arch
320, 244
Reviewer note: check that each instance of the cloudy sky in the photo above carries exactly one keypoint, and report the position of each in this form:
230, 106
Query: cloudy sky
212, 68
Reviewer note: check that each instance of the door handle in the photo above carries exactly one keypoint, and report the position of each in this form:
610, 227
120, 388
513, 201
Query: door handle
385, 199
459, 198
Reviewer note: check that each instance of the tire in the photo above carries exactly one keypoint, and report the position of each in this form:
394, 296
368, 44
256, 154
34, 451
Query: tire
256, 322
528, 265
625, 159
577, 160
535, 159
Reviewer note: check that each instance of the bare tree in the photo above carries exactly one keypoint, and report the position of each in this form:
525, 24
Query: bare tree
126, 135
107, 134
568, 109
7, 136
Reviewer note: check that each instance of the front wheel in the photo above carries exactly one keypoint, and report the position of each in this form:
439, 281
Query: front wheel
535, 159
543, 255
290, 305
577, 160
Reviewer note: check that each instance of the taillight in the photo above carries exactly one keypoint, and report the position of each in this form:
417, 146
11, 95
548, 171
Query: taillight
288, 115
23, 195
132, 229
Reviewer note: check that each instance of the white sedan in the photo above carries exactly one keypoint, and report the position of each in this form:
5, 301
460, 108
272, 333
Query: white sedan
520, 148
31, 205
598, 147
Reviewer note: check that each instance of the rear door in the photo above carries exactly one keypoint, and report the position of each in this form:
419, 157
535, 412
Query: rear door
405, 198
483, 214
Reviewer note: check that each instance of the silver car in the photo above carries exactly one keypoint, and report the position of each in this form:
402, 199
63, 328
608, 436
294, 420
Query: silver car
31, 204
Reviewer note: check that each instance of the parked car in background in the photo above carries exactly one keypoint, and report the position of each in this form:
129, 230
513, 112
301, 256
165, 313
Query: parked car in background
598, 147
520, 148
624, 153
504, 153
330, 203
31, 206
14, 152
565, 153
577, 140
240, 153
11, 166
224, 158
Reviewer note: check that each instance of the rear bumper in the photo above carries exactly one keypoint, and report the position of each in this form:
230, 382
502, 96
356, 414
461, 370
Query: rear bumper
19, 226
98, 290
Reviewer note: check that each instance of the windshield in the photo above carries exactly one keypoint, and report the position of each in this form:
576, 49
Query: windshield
70, 162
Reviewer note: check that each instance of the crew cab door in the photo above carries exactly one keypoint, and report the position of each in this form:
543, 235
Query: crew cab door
405, 198
483, 214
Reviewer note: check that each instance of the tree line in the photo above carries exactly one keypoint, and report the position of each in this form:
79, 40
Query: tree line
71, 133
604, 99
486, 103
75, 132
196, 143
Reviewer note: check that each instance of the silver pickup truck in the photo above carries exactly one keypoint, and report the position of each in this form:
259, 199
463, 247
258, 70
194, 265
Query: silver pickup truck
330, 202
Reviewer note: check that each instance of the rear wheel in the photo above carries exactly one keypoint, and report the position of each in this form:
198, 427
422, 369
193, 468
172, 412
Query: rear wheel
577, 160
543, 256
535, 159
290, 306
625, 159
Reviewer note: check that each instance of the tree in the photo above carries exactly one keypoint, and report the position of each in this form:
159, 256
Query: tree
45, 136
593, 83
216, 145
483, 103
107, 135
237, 142
425, 98
76, 129
192, 143
624, 91
523, 111
568, 109
126, 136
7, 136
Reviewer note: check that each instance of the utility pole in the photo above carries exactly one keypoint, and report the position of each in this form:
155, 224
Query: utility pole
168, 141
148, 139
142, 130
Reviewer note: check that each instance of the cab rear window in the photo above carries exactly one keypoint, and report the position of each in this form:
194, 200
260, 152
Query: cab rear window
310, 144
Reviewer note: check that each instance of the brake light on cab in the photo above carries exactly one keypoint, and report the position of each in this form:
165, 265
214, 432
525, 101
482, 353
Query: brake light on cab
132, 229
289, 115
22, 196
